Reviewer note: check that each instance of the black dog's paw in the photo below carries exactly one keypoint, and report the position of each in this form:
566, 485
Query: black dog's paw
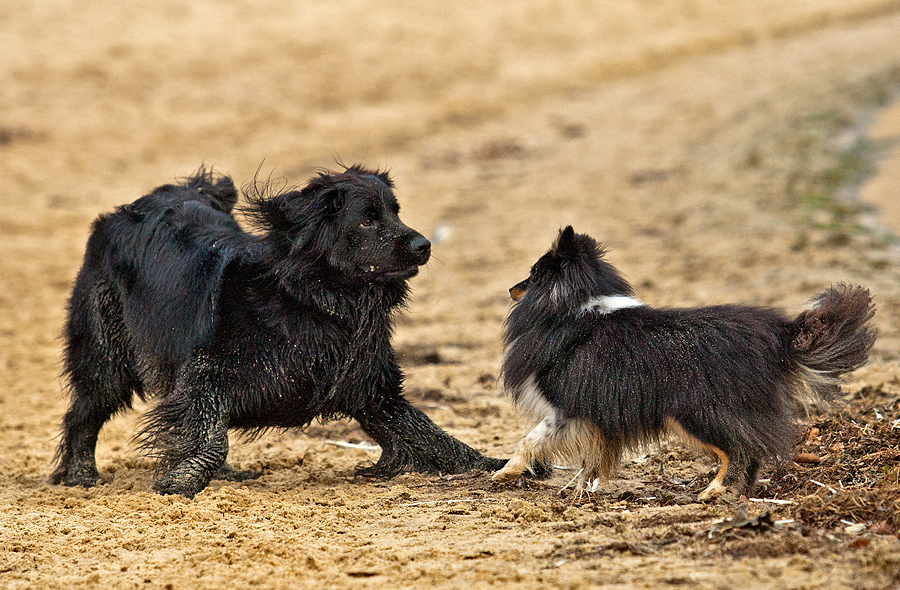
229, 473
71, 476
179, 483
380, 469
489, 464
540, 470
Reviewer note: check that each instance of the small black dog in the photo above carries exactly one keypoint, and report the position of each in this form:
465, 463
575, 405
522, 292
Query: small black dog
606, 373
247, 330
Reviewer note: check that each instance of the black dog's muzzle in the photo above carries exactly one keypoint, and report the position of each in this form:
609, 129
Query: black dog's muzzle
420, 248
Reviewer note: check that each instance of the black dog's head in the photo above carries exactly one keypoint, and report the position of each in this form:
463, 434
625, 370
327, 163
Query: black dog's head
348, 221
569, 274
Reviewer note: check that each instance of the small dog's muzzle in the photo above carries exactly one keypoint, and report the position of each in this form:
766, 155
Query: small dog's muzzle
518, 290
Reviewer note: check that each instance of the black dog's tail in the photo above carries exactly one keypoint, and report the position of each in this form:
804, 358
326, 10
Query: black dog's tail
219, 189
833, 337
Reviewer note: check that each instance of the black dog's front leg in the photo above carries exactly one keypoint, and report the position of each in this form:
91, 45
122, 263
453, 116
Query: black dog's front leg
410, 441
189, 432
194, 473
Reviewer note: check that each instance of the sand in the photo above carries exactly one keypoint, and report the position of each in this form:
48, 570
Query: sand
883, 189
718, 148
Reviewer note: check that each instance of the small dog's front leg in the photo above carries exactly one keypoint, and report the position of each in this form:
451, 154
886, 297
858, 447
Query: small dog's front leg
587, 481
516, 465
534, 447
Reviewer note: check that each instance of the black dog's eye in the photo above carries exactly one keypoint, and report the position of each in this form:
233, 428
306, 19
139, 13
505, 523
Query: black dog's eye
367, 223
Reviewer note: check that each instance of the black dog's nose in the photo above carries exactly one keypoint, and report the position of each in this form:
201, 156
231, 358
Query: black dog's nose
421, 246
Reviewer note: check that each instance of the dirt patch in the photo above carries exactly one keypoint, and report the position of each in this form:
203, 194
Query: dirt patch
717, 150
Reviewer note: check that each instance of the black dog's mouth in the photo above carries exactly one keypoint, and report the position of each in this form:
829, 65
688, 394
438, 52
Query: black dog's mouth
380, 274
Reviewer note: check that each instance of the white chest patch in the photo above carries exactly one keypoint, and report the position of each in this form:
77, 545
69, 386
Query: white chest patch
609, 303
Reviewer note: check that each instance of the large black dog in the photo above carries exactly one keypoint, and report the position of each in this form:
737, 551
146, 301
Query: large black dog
250, 331
605, 373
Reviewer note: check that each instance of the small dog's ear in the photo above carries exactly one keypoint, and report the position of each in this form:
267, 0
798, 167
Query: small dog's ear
565, 243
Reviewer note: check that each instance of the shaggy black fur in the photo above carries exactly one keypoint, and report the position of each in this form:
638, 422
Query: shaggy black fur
731, 377
237, 330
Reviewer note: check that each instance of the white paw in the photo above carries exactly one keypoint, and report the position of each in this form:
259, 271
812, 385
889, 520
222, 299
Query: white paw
712, 491
506, 474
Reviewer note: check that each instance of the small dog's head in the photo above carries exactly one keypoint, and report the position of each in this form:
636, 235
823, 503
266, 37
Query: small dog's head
570, 273
350, 221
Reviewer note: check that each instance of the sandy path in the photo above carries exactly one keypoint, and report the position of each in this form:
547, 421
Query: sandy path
883, 189
706, 142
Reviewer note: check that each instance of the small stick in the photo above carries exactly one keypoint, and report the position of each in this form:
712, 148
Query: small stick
349, 445
822, 485
571, 480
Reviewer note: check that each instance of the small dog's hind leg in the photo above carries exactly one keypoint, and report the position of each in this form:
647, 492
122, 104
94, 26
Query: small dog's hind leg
741, 474
750, 475
534, 447
716, 487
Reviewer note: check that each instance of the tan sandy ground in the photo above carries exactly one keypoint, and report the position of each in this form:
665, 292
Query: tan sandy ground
710, 144
883, 190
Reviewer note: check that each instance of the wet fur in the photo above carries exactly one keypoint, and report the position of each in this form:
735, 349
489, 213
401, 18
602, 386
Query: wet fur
604, 373
247, 331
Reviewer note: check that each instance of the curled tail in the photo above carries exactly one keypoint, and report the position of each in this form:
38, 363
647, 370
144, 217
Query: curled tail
833, 337
219, 189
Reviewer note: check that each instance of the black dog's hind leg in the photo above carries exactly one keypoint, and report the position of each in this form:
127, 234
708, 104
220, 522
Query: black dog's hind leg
410, 441
228, 473
101, 380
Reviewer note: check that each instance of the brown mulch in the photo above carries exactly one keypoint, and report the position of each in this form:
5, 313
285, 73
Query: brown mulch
847, 469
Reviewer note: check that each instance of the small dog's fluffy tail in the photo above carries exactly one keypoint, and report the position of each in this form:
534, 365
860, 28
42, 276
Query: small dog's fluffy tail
833, 337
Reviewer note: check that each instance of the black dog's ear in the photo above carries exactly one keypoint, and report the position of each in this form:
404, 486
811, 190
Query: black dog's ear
565, 243
270, 212
384, 177
332, 200
377, 174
